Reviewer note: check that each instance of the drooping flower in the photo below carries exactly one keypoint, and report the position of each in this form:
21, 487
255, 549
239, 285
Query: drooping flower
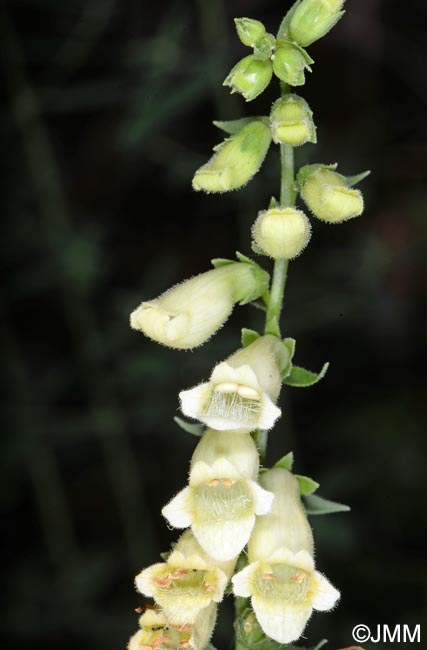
157, 633
222, 498
190, 313
280, 578
241, 393
187, 583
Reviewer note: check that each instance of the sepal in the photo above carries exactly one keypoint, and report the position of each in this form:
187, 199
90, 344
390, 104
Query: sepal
302, 378
195, 428
317, 505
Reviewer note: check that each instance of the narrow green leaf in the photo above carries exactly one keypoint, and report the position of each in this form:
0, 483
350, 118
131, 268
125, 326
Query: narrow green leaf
302, 378
165, 555
286, 462
249, 336
320, 644
217, 262
244, 258
357, 178
195, 429
273, 203
256, 249
283, 32
234, 126
315, 505
306, 484
289, 344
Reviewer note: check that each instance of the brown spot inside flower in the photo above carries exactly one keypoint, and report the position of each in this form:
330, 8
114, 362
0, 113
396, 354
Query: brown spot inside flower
268, 576
163, 582
228, 483
179, 573
209, 588
298, 578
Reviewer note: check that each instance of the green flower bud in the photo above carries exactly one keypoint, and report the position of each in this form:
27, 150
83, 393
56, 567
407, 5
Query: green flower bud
190, 313
289, 63
292, 122
249, 31
236, 160
263, 49
249, 77
313, 19
328, 194
282, 233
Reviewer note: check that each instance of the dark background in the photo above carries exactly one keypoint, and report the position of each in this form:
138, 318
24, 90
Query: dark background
107, 115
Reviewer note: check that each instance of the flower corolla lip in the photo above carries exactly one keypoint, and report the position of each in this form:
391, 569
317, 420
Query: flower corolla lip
232, 400
187, 583
284, 590
220, 506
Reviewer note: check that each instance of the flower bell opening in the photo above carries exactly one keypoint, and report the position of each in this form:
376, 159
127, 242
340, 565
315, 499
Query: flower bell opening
282, 581
235, 402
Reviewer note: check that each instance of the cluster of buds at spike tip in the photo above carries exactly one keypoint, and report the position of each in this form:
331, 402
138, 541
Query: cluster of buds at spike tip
190, 313
222, 498
241, 393
236, 160
292, 121
156, 632
330, 195
187, 583
282, 233
312, 19
280, 578
290, 62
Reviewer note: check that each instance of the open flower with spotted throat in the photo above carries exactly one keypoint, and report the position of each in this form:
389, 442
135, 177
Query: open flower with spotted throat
187, 582
281, 579
157, 633
241, 393
222, 498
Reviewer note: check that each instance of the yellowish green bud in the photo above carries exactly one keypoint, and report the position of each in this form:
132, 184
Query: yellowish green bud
249, 77
241, 393
282, 233
329, 194
190, 313
289, 63
157, 633
313, 19
292, 121
280, 578
236, 160
249, 31
263, 49
187, 583
222, 498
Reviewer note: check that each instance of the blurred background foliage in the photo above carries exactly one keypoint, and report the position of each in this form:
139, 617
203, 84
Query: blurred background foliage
107, 114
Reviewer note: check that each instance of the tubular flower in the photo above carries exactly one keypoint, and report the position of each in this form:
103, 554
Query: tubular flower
241, 393
190, 313
280, 578
157, 633
187, 583
222, 498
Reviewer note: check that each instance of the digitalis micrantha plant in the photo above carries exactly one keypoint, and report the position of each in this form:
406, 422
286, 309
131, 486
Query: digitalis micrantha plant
245, 526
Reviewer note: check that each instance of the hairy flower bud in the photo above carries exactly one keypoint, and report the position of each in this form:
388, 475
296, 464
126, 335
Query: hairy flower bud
249, 31
187, 583
249, 77
329, 194
241, 393
236, 160
289, 63
312, 19
280, 578
222, 498
292, 121
190, 313
282, 233
157, 633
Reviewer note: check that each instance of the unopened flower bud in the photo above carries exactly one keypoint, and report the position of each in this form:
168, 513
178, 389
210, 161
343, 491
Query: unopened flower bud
313, 19
289, 63
190, 313
329, 194
249, 77
282, 233
263, 49
236, 160
249, 31
280, 578
222, 498
187, 583
292, 121
241, 393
